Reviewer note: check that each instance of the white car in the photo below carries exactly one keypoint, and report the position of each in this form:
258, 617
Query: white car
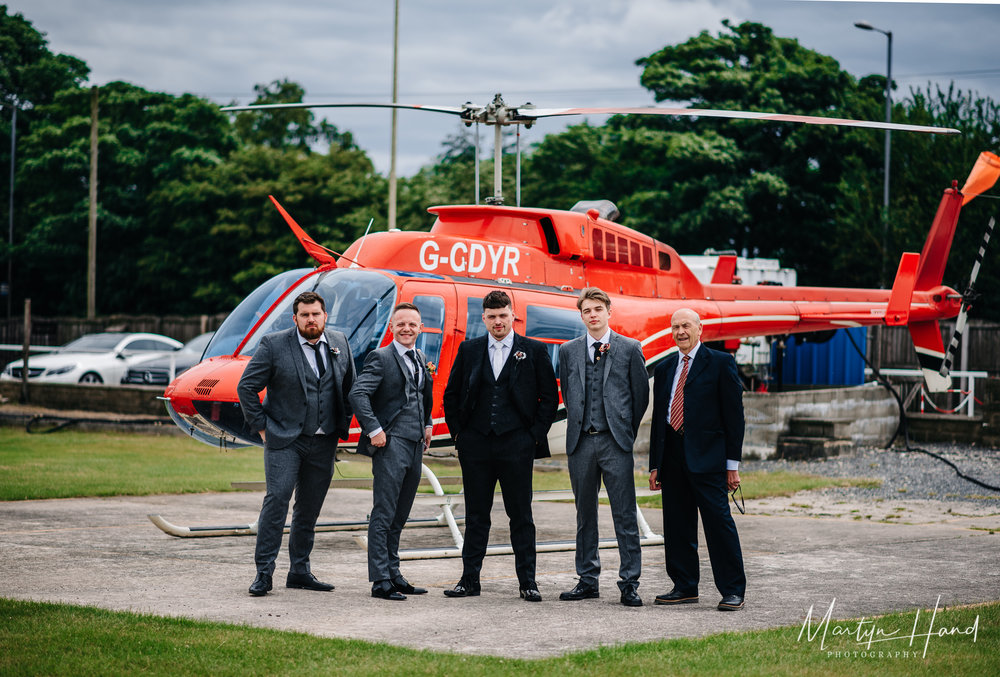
93, 358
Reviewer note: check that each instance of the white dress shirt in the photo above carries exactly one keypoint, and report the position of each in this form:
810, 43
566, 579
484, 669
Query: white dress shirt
504, 345
590, 342
312, 356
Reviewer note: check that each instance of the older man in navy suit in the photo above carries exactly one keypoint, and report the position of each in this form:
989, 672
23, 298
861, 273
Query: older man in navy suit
696, 444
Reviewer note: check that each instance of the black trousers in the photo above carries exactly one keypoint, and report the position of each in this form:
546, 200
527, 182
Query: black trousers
685, 495
487, 459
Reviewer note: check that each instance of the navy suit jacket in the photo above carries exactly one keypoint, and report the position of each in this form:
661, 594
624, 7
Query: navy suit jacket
713, 411
532, 385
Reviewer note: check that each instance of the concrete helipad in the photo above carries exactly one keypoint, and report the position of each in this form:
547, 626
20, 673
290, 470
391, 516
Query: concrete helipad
106, 553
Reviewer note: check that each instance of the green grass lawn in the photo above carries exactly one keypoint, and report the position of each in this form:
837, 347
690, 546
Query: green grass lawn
68, 464
53, 639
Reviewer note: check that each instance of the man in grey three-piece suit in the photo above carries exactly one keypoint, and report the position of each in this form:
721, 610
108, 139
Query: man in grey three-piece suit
392, 398
605, 388
307, 371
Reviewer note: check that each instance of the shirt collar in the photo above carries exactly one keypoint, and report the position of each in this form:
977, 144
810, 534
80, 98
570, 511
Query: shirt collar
507, 341
305, 342
401, 349
604, 339
694, 351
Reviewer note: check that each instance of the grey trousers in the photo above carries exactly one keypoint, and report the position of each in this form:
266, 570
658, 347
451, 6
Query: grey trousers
598, 457
305, 466
396, 468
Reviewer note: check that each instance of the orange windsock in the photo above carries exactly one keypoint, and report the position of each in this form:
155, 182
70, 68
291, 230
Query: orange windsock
982, 177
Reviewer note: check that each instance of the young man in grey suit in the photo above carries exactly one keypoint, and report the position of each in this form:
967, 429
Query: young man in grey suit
605, 388
307, 371
392, 398
499, 403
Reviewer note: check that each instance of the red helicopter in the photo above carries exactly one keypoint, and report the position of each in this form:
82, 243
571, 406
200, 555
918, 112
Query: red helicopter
542, 258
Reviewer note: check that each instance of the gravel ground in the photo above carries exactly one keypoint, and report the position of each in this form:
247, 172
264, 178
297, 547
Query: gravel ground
905, 474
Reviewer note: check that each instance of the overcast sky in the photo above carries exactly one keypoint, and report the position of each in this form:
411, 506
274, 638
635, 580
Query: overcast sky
550, 52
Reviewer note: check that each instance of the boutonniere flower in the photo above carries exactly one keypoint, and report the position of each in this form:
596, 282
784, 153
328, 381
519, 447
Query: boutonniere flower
601, 350
519, 355
335, 351
431, 368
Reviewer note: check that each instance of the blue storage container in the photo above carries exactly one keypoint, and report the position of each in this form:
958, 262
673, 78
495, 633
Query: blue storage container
831, 363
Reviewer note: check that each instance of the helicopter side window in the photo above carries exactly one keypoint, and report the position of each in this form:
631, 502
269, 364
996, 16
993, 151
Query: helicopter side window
598, 240
664, 260
553, 326
609, 249
622, 250
432, 317
474, 327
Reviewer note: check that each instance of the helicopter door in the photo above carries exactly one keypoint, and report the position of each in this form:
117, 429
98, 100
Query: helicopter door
436, 302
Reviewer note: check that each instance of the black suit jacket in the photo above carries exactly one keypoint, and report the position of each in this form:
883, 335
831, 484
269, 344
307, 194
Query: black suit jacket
532, 387
713, 411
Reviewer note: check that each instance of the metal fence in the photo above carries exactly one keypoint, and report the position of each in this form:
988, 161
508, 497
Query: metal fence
56, 331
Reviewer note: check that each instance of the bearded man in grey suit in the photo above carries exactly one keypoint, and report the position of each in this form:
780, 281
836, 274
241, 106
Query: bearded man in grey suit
307, 371
605, 388
392, 398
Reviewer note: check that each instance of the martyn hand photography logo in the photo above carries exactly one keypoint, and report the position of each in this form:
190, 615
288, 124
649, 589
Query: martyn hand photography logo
875, 639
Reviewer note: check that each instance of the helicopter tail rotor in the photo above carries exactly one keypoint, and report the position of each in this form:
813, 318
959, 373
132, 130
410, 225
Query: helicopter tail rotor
968, 296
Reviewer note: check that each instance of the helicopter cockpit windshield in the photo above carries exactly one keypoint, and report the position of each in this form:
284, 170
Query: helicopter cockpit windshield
358, 303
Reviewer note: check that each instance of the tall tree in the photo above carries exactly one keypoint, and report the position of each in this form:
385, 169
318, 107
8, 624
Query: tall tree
289, 127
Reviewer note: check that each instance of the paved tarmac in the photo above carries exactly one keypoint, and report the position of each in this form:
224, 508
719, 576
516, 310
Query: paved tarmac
104, 552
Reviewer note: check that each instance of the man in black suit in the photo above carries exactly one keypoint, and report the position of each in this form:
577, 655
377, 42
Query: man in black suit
308, 372
499, 403
392, 399
695, 447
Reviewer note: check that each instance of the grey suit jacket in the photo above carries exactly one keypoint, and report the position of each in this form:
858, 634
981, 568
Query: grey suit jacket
626, 387
279, 365
379, 393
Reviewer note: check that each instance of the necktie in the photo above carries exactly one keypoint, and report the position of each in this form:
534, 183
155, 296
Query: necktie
320, 367
596, 345
497, 359
415, 369
677, 402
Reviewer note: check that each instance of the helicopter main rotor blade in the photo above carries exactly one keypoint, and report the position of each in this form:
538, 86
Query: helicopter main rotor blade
534, 113
451, 110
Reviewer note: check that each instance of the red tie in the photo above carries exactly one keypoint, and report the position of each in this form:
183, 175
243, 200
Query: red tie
677, 402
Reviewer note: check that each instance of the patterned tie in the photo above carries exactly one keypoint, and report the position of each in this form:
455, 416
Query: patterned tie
596, 345
415, 369
497, 359
320, 367
677, 403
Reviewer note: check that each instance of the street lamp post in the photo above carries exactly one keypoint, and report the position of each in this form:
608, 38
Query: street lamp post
864, 25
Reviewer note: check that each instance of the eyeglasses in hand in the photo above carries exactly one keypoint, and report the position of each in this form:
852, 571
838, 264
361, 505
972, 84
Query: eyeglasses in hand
741, 506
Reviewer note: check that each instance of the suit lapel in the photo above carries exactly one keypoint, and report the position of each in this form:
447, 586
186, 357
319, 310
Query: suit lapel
668, 380
298, 358
608, 356
407, 370
698, 364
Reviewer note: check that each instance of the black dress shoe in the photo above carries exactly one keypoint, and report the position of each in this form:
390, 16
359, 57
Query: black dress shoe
531, 594
676, 596
402, 585
306, 582
581, 591
630, 597
463, 589
261, 585
731, 603
384, 590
